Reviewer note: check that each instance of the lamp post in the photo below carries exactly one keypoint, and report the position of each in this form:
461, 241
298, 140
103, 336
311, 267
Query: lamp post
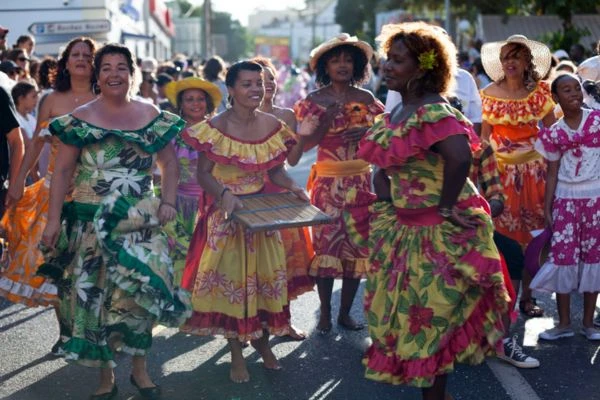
208, 50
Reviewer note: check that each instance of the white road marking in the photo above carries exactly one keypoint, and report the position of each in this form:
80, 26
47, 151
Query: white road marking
511, 380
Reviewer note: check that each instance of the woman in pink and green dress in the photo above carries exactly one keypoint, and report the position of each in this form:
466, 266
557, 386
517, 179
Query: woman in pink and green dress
435, 293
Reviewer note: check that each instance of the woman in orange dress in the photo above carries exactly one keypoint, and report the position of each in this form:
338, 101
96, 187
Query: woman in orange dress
25, 221
340, 184
513, 107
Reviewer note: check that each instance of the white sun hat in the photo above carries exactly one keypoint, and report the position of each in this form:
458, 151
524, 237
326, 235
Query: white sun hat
490, 56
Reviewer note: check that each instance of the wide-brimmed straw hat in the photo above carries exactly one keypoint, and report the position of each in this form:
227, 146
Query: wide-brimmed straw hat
173, 88
490, 56
339, 40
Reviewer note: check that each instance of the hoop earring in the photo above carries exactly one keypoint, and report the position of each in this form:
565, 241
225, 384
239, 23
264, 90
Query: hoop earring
95, 88
410, 82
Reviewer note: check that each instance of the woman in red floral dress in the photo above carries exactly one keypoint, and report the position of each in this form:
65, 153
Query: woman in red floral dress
339, 184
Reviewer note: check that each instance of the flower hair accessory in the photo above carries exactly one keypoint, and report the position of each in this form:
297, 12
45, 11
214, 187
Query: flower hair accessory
428, 60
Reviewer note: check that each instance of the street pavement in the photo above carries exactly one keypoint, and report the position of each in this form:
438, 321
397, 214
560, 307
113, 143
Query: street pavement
318, 368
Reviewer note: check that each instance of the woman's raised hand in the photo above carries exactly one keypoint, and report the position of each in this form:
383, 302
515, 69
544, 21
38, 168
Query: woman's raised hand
308, 125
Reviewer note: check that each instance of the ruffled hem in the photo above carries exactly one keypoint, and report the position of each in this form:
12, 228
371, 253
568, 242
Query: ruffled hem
151, 138
326, 266
88, 354
355, 114
389, 145
135, 344
553, 278
534, 107
299, 285
250, 156
170, 306
479, 336
31, 296
244, 329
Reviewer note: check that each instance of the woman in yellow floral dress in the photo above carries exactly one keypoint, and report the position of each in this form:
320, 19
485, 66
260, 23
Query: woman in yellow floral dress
513, 107
435, 292
339, 183
239, 279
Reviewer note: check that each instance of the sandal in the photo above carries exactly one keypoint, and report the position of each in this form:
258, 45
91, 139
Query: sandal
530, 308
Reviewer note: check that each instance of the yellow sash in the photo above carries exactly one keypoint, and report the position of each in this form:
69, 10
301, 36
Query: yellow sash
336, 169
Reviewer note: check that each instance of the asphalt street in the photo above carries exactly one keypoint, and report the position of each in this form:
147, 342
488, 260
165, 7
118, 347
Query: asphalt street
320, 367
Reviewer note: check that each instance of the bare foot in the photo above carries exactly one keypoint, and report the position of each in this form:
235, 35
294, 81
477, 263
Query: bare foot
269, 360
238, 372
262, 347
347, 322
324, 325
296, 333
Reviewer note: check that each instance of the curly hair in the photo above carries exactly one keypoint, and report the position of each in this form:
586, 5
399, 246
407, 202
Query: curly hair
530, 77
63, 80
420, 38
360, 73
265, 63
210, 106
47, 72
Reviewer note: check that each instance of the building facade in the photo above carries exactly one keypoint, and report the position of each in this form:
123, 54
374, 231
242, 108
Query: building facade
145, 26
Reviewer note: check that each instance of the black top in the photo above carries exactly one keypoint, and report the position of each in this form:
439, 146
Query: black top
8, 122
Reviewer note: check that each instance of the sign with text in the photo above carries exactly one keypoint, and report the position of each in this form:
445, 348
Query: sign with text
70, 27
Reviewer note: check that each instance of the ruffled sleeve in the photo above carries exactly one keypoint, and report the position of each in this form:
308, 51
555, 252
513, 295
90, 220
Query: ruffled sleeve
534, 107
546, 145
152, 138
305, 108
386, 145
248, 155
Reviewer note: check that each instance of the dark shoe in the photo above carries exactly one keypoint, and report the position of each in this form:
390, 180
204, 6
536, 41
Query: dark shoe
354, 326
105, 396
57, 349
151, 393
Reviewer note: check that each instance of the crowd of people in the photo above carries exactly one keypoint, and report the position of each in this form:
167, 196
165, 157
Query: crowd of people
435, 188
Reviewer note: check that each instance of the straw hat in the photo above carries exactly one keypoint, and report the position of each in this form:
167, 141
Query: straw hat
173, 88
490, 56
339, 40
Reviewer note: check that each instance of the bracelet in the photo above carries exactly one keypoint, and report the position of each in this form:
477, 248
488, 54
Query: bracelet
445, 212
223, 192
164, 203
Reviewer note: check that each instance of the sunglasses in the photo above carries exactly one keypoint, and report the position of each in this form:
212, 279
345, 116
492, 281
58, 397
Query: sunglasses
23, 59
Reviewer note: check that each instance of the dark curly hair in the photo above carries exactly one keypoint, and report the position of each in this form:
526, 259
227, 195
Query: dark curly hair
420, 38
63, 80
360, 73
47, 72
115, 48
210, 106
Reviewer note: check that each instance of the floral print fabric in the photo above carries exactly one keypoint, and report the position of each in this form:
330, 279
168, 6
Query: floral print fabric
522, 171
341, 196
238, 279
118, 278
435, 292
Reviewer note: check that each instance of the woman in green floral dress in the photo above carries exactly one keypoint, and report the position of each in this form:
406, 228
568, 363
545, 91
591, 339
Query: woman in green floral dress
118, 282
435, 292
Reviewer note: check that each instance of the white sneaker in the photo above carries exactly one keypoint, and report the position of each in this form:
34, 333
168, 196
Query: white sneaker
557, 333
591, 333
513, 354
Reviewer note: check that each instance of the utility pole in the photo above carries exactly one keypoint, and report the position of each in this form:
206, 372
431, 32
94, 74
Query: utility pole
208, 50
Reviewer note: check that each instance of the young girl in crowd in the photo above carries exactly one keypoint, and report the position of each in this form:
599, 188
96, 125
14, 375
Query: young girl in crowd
572, 208
25, 96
